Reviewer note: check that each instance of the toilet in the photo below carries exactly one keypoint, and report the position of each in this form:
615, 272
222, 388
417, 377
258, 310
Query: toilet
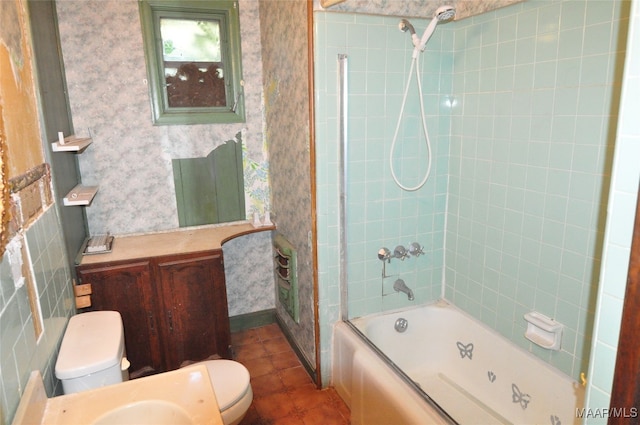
93, 355
92, 352
230, 382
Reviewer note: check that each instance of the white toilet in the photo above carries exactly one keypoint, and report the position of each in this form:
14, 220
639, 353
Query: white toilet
230, 382
92, 355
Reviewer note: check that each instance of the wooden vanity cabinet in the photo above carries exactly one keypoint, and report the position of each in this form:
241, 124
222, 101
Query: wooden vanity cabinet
174, 308
127, 288
194, 307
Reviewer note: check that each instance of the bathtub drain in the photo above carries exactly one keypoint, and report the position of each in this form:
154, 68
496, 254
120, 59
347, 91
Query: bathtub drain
401, 325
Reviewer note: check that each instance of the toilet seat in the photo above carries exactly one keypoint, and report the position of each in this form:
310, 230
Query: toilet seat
230, 381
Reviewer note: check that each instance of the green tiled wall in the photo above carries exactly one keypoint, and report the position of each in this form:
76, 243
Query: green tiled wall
379, 213
20, 352
532, 137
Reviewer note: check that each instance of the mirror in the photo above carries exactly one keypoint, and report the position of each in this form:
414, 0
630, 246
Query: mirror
192, 52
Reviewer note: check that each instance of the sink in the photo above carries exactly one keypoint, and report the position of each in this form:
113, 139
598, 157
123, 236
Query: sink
180, 397
147, 412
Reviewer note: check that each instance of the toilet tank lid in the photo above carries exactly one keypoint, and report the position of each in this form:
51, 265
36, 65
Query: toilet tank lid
93, 342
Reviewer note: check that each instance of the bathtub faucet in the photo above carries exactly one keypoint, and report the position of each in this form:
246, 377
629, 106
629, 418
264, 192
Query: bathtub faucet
400, 286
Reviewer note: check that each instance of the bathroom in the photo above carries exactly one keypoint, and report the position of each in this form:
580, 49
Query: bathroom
116, 212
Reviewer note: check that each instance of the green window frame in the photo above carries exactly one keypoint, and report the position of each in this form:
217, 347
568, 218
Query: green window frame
225, 14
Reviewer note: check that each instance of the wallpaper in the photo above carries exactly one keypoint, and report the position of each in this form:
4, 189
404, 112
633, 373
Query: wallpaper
416, 8
130, 159
249, 282
287, 133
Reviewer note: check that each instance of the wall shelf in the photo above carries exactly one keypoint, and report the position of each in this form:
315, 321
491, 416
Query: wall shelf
80, 195
72, 144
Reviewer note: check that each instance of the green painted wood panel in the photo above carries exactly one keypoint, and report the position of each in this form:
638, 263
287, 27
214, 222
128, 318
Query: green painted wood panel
210, 190
56, 116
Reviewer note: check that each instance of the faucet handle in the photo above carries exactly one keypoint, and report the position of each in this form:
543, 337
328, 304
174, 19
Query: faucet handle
415, 249
384, 255
400, 252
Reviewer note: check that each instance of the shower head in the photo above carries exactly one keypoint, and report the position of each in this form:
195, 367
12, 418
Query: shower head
445, 13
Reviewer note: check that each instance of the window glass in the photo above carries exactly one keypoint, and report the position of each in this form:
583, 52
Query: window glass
193, 68
193, 61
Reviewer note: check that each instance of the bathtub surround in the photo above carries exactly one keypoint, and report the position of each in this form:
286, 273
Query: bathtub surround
525, 102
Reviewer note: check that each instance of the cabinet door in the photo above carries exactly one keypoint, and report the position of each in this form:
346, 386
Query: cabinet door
194, 297
127, 288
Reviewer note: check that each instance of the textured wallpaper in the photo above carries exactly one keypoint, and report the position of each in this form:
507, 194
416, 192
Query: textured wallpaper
249, 282
416, 8
287, 133
130, 159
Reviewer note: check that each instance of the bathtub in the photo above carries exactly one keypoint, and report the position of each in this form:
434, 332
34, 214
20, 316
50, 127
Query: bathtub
445, 368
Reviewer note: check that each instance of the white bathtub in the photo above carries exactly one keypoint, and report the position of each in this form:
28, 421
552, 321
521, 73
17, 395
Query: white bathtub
471, 372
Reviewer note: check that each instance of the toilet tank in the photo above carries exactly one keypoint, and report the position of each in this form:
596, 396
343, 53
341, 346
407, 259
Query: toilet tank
92, 353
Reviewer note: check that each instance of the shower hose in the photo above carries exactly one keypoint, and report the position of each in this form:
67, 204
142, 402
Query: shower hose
414, 64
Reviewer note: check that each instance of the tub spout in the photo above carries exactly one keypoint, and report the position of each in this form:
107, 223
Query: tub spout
400, 286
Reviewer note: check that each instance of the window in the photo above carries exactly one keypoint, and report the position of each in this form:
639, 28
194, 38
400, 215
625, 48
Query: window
192, 50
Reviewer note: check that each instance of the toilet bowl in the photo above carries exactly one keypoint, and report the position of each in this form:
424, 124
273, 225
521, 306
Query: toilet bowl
231, 383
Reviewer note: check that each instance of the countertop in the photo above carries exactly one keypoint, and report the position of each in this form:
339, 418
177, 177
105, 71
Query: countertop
189, 390
178, 241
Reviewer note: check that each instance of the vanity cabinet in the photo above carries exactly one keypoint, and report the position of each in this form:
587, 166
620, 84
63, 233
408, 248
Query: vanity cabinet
174, 307
194, 307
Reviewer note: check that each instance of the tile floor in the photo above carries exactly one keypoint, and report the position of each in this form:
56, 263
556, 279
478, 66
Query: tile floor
283, 392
